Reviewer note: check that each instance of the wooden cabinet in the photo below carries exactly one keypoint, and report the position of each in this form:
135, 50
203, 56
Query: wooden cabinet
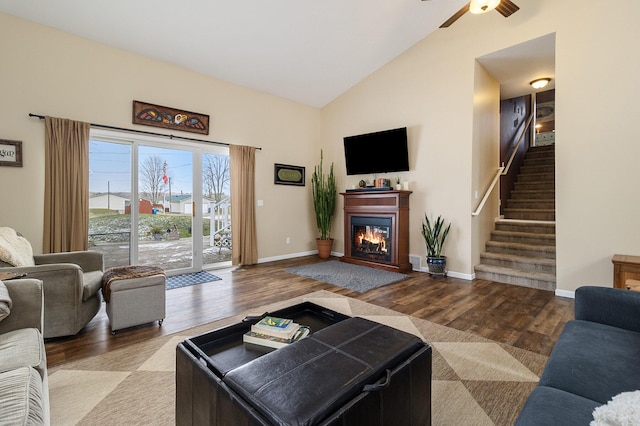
379, 204
625, 268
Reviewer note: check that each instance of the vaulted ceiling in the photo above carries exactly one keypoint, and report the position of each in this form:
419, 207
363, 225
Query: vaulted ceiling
303, 50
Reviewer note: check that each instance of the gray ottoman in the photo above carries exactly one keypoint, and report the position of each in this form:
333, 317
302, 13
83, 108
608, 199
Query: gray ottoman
136, 301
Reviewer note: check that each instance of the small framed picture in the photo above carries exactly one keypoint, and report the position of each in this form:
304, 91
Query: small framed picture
284, 174
10, 153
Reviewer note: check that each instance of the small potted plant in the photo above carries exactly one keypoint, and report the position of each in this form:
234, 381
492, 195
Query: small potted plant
156, 232
398, 184
434, 238
324, 203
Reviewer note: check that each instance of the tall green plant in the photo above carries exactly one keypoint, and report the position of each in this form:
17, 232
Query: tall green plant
324, 198
434, 236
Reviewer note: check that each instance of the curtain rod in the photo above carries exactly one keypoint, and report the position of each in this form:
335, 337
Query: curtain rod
144, 132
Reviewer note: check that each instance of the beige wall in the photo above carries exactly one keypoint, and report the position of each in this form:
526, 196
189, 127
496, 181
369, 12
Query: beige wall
485, 158
49, 72
430, 89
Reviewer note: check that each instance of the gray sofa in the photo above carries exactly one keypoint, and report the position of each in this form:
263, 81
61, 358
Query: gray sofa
596, 358
71, 281
24, 390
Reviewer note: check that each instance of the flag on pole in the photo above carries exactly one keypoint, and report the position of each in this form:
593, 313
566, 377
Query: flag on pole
165, 178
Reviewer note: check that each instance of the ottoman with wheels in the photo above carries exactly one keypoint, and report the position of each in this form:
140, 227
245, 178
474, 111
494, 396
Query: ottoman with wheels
134, 295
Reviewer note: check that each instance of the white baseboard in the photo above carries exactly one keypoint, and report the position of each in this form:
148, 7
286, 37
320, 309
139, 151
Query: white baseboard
566, 293
287, 256
452, 274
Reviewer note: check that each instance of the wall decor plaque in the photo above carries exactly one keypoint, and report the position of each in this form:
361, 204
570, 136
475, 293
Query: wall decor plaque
170, 118
10, 153
284, 174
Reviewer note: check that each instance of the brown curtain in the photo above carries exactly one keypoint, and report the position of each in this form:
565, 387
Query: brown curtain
66, 187
243, 210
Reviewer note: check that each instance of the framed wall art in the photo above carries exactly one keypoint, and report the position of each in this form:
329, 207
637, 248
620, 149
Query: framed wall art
170, 118
10, 153
284, 174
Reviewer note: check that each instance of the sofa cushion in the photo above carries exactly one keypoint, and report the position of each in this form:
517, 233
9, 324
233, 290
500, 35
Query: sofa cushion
594, 360
22, 397
91, 284
14, 248
550, 406
5, 302
22, 348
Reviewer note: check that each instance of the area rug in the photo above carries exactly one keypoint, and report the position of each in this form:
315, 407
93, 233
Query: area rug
353, 277
184, 280
476, 381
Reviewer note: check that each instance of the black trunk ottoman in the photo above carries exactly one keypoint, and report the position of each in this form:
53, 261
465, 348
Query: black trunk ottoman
354, 372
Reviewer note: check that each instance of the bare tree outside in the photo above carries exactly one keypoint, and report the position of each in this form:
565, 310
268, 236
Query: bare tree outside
151, 178
216, 175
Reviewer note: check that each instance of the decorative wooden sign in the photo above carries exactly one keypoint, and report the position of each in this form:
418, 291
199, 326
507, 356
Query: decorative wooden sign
10, 153
170, 118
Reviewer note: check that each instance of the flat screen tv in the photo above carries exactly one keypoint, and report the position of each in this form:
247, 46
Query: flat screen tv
378, 152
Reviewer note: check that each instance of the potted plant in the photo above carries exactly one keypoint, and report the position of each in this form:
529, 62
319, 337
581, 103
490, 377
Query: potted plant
324, 203
434, 238
156, 232
398, 184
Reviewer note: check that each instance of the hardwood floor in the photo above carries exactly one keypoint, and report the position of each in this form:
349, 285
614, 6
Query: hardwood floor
522, 317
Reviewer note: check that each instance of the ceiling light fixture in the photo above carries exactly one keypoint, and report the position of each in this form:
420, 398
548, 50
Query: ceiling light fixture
539, 83
482, 6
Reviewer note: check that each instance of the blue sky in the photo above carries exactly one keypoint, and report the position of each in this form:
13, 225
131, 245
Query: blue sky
110, 167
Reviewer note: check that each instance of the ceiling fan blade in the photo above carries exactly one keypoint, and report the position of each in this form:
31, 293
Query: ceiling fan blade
456, 16
507, 8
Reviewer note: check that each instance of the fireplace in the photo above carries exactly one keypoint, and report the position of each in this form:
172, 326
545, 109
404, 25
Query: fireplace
371, 238
376, 229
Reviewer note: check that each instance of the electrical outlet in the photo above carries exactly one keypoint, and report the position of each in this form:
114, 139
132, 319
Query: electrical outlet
288, 240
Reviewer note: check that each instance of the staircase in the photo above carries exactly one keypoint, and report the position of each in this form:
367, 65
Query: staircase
522, 248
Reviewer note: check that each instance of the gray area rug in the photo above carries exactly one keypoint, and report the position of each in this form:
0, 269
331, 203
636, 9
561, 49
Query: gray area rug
353, 277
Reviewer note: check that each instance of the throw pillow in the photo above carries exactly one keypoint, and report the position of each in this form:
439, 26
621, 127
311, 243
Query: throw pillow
5, 302
622, 410
14, 248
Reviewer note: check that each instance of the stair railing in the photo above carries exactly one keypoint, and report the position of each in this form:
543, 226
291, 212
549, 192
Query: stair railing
503, 170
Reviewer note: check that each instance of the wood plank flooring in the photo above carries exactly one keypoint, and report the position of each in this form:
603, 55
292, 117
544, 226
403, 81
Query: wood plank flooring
523, 317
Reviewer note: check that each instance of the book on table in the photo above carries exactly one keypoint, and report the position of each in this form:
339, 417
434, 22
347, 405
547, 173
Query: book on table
272, 341
275, 332
277, 327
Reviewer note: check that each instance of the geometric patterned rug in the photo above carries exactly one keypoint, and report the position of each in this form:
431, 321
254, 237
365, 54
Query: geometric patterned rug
184, 280
475, 381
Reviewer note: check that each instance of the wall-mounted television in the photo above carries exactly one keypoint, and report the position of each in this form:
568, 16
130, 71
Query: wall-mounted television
378, 152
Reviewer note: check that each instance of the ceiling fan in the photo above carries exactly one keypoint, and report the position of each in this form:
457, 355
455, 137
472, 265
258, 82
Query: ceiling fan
505, 7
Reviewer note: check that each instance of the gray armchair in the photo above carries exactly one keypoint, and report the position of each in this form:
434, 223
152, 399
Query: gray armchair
71, 283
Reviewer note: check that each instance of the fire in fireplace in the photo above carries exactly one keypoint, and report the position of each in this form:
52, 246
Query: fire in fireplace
371, 238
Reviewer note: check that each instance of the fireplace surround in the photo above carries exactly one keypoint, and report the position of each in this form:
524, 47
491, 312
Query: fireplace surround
376, 229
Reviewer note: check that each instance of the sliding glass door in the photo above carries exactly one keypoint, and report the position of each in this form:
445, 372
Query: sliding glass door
154, 202
165, 207
110, 191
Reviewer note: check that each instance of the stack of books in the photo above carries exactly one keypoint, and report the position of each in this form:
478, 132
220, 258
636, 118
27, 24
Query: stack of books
275, 332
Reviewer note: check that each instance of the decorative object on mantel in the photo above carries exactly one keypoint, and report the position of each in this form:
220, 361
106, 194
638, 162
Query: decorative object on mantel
170, 118
10, 153
434, 238
284, 174
324, 192
398, 184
